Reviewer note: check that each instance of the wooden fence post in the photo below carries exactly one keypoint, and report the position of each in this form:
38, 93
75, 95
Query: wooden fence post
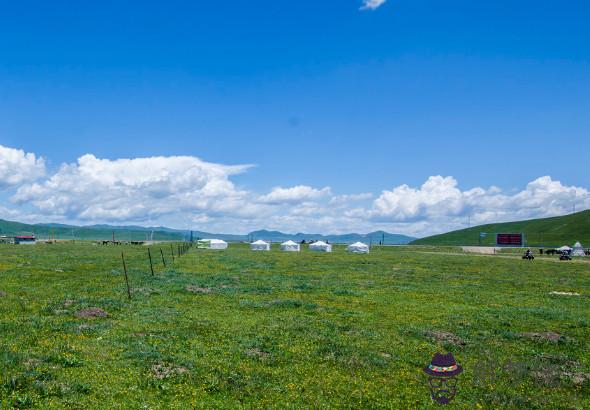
126, 277
151, 265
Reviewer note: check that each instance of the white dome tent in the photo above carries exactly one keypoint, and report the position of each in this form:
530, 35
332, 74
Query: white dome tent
564, 248
577, 250
290, 246
320, 246
260, 245
217, 244
358, 247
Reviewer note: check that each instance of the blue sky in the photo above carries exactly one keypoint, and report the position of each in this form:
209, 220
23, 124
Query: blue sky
316, 94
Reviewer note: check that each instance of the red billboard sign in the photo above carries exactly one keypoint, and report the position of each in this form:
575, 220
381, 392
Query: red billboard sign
509, 239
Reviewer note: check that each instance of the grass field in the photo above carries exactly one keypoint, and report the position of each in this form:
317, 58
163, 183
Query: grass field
238, 329
545, 232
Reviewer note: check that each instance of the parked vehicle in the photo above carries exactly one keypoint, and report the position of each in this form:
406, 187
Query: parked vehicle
565, 256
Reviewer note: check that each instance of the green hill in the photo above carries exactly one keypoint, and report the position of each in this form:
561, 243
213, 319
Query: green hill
556, 231
59, 231
139, 233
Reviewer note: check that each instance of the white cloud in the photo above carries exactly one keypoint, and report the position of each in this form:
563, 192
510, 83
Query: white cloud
294, 195
136, 189
345, 199
441, 203
11, 214
18, 167
372, 4
181, 191
437, 195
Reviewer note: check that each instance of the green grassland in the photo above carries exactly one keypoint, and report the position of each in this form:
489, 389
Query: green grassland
239, 329
547, 232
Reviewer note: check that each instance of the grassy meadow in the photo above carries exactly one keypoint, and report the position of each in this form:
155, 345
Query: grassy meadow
545, 232
240, 329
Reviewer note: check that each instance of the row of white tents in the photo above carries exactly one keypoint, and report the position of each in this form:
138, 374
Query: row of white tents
288, 246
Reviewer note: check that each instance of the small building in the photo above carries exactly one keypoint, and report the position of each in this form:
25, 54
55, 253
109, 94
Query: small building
320, 246
290, 246
25, 240
260, 246
358, 247
578, 250
217, 244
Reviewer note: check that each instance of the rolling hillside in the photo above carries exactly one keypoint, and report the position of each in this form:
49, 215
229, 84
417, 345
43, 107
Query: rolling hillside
556, 231
60, 231
139, 233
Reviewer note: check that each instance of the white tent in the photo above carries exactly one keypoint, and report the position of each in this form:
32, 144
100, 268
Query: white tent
211, 244
564, 248
578, 250
260, 246
358, 247
290, 246
320, 246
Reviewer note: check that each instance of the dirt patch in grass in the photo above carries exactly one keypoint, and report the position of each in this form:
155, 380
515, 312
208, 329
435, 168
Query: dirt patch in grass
163, 371
553, 370
142, 334
256, 352
579, 378
92, 312
2, 294
445, 337
197, 289
32, 362
543, 336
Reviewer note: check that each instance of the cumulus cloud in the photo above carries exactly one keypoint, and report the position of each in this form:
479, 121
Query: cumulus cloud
437, 195
440, 202
372, 4
135, 189
346, 199
183, 191
11, 214
18, 167
295, 194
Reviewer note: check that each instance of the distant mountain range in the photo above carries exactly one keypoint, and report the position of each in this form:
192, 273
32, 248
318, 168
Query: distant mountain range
373, 237
160, 233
